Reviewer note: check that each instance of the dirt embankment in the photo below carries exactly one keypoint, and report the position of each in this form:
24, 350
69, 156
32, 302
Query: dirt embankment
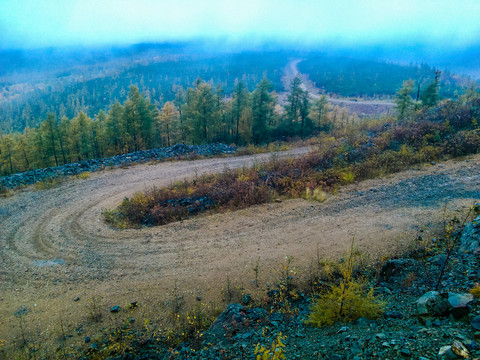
54, 246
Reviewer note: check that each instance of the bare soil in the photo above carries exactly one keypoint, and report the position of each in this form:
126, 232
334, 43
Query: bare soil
55, 247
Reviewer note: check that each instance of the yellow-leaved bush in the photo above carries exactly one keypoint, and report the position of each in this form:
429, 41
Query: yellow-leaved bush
348, 301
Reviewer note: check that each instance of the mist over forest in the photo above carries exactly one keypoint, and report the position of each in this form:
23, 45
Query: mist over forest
67, 81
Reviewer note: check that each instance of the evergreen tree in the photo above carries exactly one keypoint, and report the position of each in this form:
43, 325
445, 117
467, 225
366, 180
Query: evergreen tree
202, 113
239, 103
263, 104
430, 95
21, 151
403, 100
6, 152
48, 130
168, 121
63, 130
116, 136
319, 111
132, 120
304, 111
294, 101
179, 104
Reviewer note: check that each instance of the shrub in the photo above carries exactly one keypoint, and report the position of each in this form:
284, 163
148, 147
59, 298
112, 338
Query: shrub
348, 177
136, 208
4, 191
475, 291
348, 301
114, 218
316, 194
274, 352
48, 183
367, 150
429, 153
83, 176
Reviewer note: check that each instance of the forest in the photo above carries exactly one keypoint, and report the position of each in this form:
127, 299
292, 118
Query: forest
366, 78
199, 114
90, 90
30, 88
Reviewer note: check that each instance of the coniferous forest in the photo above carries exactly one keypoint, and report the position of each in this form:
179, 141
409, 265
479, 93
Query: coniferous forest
67, 84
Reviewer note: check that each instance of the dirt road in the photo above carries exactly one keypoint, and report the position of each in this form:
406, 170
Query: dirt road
360, 107
54, 246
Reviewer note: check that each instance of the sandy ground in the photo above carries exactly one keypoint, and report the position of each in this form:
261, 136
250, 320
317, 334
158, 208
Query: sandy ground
54, 246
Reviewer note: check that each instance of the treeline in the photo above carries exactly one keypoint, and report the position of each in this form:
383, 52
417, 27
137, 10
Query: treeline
200, 114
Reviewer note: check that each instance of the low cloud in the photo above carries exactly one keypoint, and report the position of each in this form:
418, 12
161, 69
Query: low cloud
30, 23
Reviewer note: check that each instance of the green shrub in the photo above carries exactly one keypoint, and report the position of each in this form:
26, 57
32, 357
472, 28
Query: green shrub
114, 218
4, 191
475, 291
316, 194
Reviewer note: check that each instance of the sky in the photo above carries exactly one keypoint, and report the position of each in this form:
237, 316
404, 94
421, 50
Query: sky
45, 23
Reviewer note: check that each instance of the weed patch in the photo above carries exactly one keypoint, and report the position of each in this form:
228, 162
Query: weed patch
49, 183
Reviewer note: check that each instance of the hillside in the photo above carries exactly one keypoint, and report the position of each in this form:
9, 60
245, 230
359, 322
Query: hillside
66, 82
57, 250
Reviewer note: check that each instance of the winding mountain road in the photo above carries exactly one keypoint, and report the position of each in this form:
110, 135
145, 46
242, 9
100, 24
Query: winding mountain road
54, 246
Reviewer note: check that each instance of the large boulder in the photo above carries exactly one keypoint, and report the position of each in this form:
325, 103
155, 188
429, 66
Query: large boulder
236, 316
459, 304
432, 303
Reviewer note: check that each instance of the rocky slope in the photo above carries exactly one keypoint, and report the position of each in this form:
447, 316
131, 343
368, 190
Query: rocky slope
418, 323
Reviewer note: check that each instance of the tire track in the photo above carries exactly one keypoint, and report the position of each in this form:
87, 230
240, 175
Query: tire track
65, 223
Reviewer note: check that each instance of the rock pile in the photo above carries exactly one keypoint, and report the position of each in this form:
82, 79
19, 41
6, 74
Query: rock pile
33, 176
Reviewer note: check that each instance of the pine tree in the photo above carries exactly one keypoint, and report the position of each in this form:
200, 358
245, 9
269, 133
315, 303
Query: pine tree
304, 111
263, 105
116, 136
239, 103
132, 119
48, 130
168, 121
294, 101
319, 111
6, 152
430, 95
202, 114
403, 100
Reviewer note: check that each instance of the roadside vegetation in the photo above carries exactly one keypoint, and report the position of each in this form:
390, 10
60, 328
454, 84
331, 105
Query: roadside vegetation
359, 151
199, 115
196, 115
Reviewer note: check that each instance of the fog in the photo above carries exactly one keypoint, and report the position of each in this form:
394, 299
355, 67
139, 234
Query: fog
35, 24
